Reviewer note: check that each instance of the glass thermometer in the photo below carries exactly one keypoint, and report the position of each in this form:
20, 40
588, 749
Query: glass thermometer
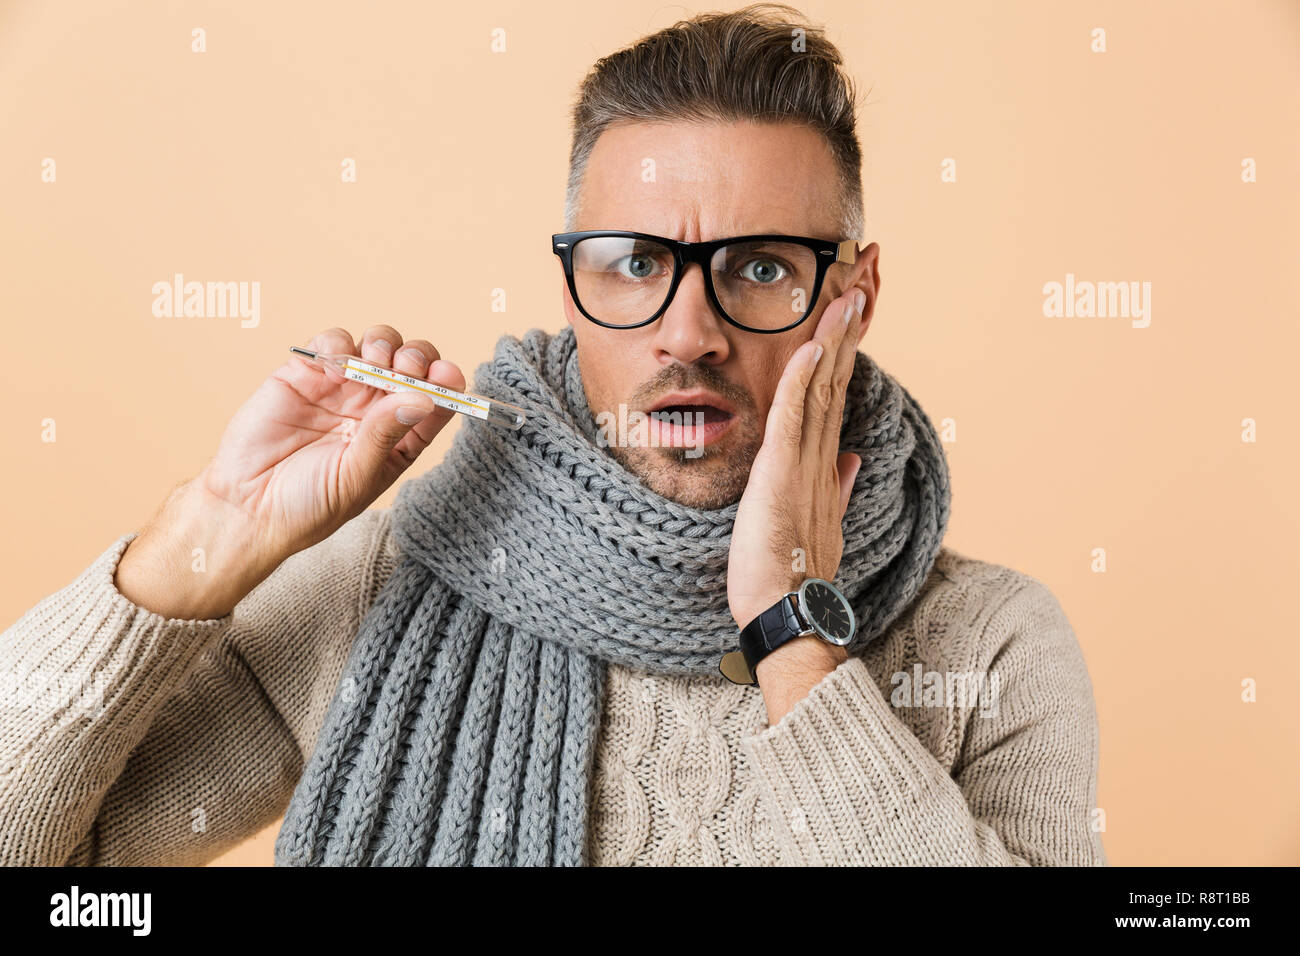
487, 409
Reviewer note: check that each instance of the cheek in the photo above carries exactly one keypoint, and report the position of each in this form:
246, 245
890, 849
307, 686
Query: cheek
570, 313
609, 366
764, 377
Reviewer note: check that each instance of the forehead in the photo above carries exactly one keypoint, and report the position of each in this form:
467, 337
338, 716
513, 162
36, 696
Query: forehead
700, 181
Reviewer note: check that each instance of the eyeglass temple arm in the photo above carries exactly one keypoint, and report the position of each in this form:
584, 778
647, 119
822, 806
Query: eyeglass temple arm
847, 251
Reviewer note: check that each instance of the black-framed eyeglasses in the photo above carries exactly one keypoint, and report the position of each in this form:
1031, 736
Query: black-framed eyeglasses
761, 283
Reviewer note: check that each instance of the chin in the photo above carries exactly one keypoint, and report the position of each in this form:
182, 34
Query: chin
706, 482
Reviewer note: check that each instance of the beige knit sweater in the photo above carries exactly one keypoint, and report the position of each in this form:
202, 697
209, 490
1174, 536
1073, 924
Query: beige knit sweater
127, 738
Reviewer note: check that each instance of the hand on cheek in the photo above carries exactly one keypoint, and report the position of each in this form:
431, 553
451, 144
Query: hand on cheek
789, 516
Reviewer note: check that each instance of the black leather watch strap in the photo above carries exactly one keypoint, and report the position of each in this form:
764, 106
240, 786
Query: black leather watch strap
768, 631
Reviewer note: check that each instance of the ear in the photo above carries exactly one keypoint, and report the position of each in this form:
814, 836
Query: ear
866, 276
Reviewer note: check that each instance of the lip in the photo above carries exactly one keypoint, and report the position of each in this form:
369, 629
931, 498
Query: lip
696, 396
672, 435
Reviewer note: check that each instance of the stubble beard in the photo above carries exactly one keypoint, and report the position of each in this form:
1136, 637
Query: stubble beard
705, 479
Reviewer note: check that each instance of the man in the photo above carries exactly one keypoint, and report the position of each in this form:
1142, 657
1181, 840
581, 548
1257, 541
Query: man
519, 663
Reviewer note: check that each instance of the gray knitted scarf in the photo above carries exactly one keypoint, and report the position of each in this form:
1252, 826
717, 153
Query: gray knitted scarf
463, 728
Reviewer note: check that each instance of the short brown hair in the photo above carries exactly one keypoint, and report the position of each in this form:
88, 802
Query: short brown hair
750, 64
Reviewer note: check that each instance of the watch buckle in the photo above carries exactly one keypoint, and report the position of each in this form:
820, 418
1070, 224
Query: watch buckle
735, 668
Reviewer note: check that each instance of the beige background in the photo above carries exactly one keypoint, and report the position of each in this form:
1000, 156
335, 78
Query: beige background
1072, 434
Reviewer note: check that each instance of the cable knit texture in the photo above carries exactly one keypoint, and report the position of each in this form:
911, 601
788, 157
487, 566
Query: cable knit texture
130, 739
464, 729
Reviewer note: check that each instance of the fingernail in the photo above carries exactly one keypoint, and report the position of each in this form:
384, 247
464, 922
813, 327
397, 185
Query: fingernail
859, 301
415, 355
817, 355
412, 414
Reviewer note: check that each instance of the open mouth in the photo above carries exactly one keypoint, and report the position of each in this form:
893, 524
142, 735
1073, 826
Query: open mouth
688, 420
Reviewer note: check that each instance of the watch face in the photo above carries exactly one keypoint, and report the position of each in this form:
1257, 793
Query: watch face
827, 611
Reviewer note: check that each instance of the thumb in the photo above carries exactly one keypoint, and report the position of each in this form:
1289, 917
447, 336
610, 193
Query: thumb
384, 425
847, 465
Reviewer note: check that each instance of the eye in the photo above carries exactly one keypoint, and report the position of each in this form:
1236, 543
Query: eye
763, 271
638, 265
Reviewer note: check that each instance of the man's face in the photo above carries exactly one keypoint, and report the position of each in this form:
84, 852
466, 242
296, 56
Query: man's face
710, 181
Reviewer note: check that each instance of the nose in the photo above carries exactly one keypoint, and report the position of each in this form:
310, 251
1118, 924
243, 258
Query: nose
691, 331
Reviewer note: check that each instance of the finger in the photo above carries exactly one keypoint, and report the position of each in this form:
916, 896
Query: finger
442, 373
370, 455
415, 357
419, 359
335, 340
379, 343
317, 378
820, 398
841, 373
785, 419
847, 466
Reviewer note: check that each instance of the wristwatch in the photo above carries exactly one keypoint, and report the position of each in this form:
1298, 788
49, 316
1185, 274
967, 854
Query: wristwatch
817, 609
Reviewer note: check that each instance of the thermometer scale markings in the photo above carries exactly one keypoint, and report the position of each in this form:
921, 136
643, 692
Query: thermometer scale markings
353, 369
358, 371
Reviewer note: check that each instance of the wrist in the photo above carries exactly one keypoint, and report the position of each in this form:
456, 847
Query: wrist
744, 608
801, 657
788, 648
790, 672
195, 560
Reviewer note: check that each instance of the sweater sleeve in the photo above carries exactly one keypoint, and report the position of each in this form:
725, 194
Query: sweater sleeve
128, 738
846, 781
